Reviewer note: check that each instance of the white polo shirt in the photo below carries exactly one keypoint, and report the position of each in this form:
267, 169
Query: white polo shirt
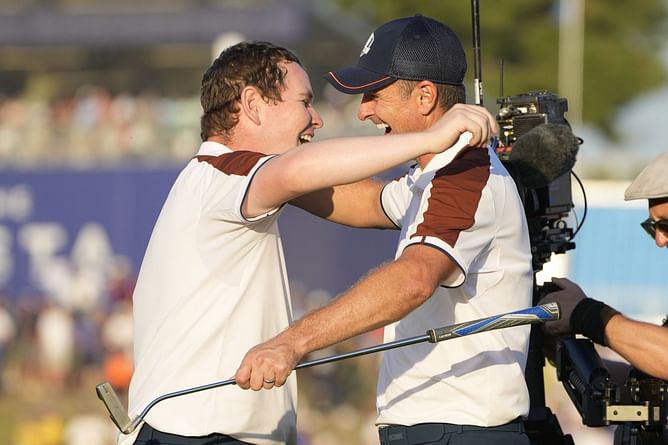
212, 285
465, 204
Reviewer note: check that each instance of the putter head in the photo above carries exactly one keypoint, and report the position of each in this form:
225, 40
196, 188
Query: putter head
119, 416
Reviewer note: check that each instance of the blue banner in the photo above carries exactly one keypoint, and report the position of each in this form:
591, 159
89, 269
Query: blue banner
64, 233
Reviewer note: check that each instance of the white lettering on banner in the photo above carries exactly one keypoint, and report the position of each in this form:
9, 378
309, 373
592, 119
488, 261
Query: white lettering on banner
41, 242
16, 203
92, 247
91, 261
6, 259
76, 278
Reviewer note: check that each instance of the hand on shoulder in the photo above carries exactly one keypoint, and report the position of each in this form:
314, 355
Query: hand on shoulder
462, 118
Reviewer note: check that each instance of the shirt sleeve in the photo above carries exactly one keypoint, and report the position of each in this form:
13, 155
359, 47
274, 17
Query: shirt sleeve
456, 212
230, 176
395, 199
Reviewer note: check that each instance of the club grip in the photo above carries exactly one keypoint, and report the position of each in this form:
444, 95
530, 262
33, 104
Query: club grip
532, 315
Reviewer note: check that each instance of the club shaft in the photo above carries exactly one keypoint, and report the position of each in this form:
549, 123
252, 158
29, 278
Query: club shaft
477, 70
532, 315
315, 362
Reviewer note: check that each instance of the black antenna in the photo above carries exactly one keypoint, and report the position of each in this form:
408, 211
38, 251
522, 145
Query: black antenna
501, 77
477, 80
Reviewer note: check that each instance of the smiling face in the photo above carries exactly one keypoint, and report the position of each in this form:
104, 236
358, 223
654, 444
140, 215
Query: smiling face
292, 120
391, 109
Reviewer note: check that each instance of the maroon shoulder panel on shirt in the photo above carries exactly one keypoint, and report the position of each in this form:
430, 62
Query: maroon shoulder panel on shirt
455, 195
237, 163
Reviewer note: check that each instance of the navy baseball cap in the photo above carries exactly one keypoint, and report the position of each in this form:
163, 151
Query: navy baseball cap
409, 48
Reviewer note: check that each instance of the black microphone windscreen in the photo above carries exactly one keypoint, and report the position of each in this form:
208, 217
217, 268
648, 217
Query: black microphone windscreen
543, 154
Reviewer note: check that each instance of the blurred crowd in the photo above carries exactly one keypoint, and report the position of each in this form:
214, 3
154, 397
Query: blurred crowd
54, 349
94, 127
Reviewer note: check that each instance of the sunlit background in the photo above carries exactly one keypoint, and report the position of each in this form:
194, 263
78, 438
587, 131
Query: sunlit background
99, 110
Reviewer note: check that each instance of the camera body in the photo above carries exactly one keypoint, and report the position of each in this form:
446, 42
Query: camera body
520, 113
545, 207
639, 406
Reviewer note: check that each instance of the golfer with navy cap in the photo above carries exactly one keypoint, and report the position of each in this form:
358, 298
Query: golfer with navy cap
463, 254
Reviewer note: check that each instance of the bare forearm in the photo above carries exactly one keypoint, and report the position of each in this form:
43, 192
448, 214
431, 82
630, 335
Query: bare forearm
332, 162
342, 161
383, 296
355, 205
644, 345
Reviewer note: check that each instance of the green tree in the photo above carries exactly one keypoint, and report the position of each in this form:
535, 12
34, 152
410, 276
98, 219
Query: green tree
621, 59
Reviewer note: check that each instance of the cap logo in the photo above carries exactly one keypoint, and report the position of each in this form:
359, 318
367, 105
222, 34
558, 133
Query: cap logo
367, 45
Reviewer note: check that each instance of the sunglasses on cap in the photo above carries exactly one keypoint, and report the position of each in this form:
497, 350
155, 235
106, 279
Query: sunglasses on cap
650, 226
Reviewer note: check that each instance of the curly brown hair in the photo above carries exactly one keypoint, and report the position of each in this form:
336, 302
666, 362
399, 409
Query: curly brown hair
244, 64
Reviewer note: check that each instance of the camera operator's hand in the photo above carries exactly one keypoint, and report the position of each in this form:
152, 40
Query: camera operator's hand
568, 297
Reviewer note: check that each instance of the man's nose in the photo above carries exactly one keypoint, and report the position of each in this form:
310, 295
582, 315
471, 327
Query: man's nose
316, 119
661, 238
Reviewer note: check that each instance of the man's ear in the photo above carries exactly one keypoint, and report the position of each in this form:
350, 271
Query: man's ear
426, 94
251, 101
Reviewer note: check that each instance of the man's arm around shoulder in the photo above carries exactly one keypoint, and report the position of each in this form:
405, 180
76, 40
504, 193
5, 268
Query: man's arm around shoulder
331, 162
355, 205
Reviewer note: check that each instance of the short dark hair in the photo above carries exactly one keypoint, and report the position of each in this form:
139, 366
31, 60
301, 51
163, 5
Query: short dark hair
241, 65
448, 95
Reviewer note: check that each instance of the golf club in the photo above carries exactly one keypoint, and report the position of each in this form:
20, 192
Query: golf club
532, 315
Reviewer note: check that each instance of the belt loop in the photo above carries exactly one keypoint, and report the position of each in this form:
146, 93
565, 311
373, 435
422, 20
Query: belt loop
393, 435
522, 428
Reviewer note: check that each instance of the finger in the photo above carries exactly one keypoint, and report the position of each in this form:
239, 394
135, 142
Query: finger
547, 329
482, 127
561, 282
569, 286
491, 120
281, 379
487, 121
256, 381
545, 300
556, 327
467, 121
268, 379
242, 376
551, 329
479, 134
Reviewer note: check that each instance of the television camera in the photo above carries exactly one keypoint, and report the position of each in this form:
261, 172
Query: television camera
547, 205
640, 405
538, 149
544, 189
